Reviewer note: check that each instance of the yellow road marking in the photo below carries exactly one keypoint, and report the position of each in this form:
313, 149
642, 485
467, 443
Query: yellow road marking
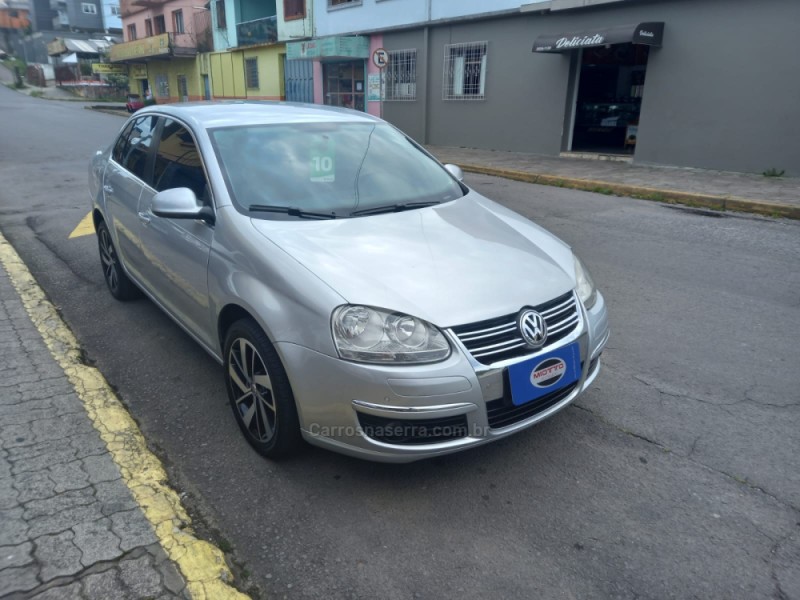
201, 563
85, 227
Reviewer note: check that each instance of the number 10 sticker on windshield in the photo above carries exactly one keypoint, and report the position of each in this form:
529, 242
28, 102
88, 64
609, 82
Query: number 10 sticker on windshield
323, 162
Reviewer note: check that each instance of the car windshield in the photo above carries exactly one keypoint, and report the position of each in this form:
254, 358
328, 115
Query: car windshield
327, 169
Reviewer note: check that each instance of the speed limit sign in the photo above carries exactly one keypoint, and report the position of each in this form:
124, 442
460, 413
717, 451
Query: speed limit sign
380, 58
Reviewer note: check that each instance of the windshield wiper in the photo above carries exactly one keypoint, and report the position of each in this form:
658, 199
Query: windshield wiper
376, 210
292, 211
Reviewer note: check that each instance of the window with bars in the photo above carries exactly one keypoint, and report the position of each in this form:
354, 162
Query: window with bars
294, 9
400, 82
251, 73
465, 71
338, 3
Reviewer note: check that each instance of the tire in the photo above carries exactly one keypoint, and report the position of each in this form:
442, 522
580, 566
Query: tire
259, 391
120, 286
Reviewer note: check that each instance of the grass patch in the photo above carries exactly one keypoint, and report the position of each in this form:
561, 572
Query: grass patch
37, 94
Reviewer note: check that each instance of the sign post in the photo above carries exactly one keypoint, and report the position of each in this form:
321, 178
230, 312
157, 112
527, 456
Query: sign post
380, 58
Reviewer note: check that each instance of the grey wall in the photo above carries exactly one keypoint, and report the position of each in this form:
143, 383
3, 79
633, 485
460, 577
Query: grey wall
82, 21
722, 93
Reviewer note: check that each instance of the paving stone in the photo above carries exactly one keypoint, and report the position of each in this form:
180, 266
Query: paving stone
60, 453
15, 556
88, 444
69, 476
139, 576
20, 579
58, 503
96, 542
133, 529
57, 555
9, 496
58, 428
13, 528
103, 585
64, 520
101, 468
35, 485
16, 435
64, 592
114, 497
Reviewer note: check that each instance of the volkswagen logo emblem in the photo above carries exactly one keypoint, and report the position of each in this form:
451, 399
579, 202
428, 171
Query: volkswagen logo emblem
533, 328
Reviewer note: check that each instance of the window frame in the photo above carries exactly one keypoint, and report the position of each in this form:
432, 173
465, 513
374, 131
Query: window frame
248, 61
395, 57
296, 15
222, 17
178, 24
131, 32
85, 5
340, 4
148, 27
159, 24
116, 11
452, 73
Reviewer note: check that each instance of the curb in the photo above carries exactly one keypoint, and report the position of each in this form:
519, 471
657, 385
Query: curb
720, 203
108, 111
202, 564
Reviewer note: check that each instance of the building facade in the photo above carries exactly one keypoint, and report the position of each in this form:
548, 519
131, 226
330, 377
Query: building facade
697, 83
163, 43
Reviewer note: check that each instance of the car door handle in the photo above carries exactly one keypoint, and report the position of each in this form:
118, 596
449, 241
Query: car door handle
108, 189
144, 218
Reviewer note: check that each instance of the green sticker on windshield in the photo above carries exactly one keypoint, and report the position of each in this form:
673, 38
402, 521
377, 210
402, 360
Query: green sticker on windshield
323, 162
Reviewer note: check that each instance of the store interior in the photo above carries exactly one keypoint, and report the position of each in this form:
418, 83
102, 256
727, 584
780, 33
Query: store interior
609, 99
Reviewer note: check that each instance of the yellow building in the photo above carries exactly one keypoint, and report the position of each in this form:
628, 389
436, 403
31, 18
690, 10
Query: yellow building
255, 73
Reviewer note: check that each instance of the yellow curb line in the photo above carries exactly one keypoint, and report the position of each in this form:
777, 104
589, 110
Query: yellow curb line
722, 203
202, 564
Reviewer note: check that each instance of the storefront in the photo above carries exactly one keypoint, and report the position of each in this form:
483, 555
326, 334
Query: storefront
340, 68
611, 73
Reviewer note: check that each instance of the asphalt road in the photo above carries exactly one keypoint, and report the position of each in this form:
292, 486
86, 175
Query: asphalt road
676, 476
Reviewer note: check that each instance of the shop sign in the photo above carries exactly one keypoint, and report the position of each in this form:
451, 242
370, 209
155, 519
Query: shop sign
649, 34
107, 69
373, 87
332, 47
150, 46
137, 71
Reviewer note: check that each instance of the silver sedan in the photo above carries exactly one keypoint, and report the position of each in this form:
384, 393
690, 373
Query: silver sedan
357, 293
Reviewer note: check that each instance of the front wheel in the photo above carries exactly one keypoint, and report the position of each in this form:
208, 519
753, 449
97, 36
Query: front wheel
259, 391
120, 286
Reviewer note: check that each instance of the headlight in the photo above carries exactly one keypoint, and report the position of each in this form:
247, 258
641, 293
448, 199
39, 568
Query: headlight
586, 290
373, 335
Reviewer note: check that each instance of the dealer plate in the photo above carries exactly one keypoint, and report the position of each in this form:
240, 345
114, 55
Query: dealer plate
541, 375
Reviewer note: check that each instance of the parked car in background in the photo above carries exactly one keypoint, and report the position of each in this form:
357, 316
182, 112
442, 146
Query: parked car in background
134, 103
358, 294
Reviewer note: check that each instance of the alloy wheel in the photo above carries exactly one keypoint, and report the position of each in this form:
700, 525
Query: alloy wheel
109, 258
252, 390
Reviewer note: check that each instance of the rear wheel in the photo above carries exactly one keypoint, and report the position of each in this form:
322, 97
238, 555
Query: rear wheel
120, 286
259, 391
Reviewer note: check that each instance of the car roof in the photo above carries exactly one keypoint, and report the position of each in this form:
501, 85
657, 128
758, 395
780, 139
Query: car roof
208, 115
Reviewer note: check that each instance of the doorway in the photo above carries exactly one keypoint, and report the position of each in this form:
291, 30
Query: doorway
609, 98
343, 84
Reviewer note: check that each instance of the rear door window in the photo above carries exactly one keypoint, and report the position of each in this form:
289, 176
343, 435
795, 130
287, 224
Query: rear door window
135, 150
177, 162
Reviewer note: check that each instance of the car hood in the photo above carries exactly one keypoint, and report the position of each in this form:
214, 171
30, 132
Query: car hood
463, 261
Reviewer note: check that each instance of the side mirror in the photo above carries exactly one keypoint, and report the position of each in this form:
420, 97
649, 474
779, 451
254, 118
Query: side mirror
180, 203
455, 171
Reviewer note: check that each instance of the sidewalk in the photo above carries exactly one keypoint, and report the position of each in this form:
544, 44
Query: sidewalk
719, 190
85, 511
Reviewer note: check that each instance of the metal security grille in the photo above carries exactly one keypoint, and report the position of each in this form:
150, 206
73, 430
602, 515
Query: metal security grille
401, 76
251, 73
465, 71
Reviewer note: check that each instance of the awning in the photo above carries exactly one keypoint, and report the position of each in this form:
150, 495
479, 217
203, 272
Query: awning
649, 34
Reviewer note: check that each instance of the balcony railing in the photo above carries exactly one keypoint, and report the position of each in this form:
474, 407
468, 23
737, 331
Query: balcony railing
164, 45
258, 31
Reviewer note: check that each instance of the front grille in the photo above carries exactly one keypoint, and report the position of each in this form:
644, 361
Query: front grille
499, 339
413, 431
502, 412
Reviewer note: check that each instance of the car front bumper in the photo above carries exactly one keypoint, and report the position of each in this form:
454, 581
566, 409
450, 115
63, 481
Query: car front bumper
341, 402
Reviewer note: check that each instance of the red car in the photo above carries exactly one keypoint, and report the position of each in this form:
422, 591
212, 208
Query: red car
134, 103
